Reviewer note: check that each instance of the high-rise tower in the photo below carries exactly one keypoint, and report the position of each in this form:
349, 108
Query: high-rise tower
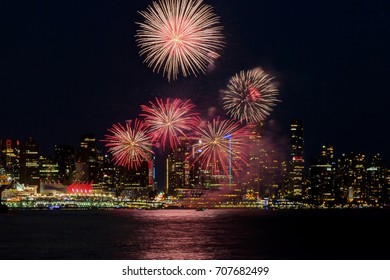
89, 157
178, 166
29, 164
65, 157
10, 157
322, 177
297, 162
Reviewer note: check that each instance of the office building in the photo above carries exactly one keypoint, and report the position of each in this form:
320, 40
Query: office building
297, 163
29, 165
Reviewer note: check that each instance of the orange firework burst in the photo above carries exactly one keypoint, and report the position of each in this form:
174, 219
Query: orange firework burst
179, 36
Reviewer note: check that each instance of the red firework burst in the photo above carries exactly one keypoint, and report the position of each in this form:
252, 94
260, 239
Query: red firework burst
129, 145
167, 121
222, 145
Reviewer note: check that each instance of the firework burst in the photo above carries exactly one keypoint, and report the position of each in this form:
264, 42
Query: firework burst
250, 96
167, 121
129, 145
179, 36
222, 145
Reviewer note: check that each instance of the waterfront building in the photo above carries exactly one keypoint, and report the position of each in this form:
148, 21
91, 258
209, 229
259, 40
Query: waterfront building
136, 183
48, 169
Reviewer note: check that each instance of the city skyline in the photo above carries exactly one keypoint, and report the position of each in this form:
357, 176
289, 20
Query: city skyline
283, 143
330, 179
237, 122
63, 74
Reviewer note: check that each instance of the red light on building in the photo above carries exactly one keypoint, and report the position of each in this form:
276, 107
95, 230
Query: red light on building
79, 188
297, 158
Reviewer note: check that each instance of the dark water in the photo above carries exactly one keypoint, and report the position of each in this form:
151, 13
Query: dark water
190, 234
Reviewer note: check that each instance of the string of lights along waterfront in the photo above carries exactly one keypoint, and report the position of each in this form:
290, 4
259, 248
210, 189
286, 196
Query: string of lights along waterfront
86, 177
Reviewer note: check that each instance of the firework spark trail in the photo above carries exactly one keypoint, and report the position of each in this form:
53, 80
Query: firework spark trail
222, 141
129, 145
250, 96
179, 36
168, 120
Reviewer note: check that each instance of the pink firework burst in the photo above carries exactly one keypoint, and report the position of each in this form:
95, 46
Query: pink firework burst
179, 36
130, 146
167, 121
222, 145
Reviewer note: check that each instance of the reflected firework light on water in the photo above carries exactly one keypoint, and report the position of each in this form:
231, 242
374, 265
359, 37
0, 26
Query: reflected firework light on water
167, 120
250, 96
129, 145
179, 37
222, 145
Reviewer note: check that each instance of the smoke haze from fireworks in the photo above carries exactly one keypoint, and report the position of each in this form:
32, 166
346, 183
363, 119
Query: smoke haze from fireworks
221, 141
129, 145
168, 120
250, 96
179, 36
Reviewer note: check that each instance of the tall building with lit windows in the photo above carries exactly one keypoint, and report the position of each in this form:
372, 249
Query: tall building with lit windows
29, 164
89, 155
10, 157
386, 188
375, 181
109, 177
351, 178
136, 183
252, 176
264, 174
321, 187
178, 166
48, 170
297, 162
359, 178
64, 155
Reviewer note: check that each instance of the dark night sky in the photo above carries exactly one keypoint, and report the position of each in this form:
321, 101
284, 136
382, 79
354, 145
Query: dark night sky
70, 67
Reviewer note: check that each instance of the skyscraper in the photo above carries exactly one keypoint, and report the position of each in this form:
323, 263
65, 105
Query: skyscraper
29, 165
253, 178
109, 177
322, 176
135, 183
48, 169
64, 155
89, 155
178, 166
10, 157
375, 181
297, 162
351, 178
